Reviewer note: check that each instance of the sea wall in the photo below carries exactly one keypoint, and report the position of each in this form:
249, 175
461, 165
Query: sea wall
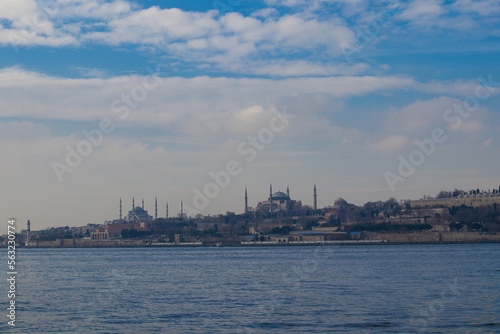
433, 236
107, 243
410, 237
88, 243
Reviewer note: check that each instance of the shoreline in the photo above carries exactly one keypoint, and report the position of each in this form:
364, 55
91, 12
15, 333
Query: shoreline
364, 238
365, 243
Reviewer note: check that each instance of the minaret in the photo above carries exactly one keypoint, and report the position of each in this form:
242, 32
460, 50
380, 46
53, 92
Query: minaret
315, 199
156, 207
166, 206
133, 203
120, 208
270, 198
246, 201
182, 210
143, 203
287, 191
28, 231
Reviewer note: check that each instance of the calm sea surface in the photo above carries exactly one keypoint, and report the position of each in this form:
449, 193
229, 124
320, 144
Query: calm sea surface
316, 289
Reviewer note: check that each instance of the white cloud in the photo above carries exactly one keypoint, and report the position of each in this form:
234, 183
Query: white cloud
456, 87
200, 37
231, 38
480, 7
421, 11
301, 68
470, 17
487, 142
255, 44
471, 126
157, 27
288, 3
389, 144
15, 10
29, 94
31, 24
420, 114
94, 9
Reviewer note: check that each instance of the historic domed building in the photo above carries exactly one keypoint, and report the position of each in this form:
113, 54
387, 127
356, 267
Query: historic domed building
279, 202
340, 203
138, 214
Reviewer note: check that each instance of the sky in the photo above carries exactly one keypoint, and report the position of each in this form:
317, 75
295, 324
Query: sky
195, 101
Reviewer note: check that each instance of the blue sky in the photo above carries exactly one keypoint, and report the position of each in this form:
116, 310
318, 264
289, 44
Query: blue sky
364, 80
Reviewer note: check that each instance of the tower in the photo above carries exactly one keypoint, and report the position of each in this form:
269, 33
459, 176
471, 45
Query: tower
166, 207
133, 203
182, 210
156, 207
120, 208
315, 199
143, 203
28, 231
246, 201
270, 198
287, 191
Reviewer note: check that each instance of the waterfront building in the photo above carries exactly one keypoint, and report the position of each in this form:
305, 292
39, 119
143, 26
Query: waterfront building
112, 231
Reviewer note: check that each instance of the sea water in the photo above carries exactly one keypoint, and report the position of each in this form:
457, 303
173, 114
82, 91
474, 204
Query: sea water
288, 289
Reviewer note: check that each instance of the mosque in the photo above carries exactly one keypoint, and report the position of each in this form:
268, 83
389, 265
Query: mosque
279, 202
137, 214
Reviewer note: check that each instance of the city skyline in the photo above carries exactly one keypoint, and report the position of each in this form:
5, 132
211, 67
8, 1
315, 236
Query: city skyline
459, 196
367, 100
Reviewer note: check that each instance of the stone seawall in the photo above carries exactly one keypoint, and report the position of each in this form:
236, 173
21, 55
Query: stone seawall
434, 237
89, 243
413, 237
107, 243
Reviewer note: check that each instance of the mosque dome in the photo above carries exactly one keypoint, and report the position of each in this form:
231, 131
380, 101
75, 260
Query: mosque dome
138, 214
280, 196
340, 202
138, 209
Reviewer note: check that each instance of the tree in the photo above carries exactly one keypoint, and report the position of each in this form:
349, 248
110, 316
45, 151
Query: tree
281, 230
443, 194
310, 224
